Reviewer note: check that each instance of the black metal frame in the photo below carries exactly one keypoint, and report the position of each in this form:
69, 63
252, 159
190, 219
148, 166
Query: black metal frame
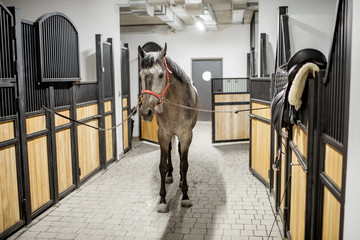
126, 93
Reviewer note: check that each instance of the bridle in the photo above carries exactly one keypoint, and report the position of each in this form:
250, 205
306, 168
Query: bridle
160, 96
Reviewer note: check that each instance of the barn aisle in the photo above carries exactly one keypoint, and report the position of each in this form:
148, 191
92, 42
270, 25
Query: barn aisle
120, 203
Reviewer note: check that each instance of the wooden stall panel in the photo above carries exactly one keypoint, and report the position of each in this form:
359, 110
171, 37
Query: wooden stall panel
226, 98
108, 106
39, 172
149, 130
298, 200
6, 131
9, 196
260, 148
64, 160
300, 139
60, 120
333, 164
35, 124
230, 126
265, 113
109, 138
331, 216
88, 146
125, 131
87, 111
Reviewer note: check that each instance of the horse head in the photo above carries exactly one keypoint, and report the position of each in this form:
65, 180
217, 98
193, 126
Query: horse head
154, 80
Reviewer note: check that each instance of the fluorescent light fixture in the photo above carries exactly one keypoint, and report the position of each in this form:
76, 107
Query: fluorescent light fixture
200, 25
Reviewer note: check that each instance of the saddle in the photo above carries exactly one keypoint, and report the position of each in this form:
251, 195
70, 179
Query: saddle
283, 114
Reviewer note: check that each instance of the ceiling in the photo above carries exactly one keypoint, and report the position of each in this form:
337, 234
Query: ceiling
175, 15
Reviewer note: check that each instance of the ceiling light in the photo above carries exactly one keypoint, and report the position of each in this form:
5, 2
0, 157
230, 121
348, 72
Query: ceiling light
200, 26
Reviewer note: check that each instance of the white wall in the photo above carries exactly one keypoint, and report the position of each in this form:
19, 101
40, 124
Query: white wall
231, 44
352, 195
90, 17
311, 24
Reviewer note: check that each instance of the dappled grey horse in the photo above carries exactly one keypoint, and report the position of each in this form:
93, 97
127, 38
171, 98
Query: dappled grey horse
163, 78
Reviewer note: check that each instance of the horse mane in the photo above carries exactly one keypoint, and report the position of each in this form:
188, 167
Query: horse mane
152, 57
178, 72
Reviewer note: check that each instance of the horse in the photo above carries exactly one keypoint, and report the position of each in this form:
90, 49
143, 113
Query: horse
162, 78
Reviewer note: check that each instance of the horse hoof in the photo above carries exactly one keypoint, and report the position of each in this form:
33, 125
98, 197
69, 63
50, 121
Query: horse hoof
162, 208
186, 203
169, 180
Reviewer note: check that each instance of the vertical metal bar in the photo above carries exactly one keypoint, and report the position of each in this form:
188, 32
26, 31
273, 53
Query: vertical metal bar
22, 118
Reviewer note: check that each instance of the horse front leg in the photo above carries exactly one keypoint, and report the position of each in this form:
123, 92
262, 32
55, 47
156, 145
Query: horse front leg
184, 165
163, 168
169, 177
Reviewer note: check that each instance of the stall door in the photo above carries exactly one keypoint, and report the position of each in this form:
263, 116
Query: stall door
202, 72
149, 130
125, 89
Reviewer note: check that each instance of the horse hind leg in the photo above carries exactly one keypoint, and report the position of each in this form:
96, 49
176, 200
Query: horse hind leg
184, 165
169, 177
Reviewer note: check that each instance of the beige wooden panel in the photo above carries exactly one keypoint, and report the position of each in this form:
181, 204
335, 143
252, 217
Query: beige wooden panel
125, 131
149, 130
39, 172
230, 126
9, 196
88, 147
232, 98
283, 175
109, 138
300, 139
35, 124
64, 159
297, 201
108, 106
6, 131
331, 216
333, 164
124, 102
87, 111
260, 148
60, 120
265, 113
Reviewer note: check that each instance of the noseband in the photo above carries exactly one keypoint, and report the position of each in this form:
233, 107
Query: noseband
160, 96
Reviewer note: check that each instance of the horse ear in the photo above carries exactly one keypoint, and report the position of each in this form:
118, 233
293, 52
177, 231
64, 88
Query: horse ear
163, 51
141, 52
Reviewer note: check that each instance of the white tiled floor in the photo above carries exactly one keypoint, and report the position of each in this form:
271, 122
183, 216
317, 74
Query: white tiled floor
120, 203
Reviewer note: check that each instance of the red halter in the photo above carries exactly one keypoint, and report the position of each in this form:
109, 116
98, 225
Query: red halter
165, 89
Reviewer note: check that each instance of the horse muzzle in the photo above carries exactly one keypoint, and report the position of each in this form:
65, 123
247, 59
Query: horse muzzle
146, 114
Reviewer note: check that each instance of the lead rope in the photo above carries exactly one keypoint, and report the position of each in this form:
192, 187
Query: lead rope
137, 106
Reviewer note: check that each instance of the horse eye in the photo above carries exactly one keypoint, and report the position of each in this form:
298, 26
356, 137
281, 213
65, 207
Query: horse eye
161, 75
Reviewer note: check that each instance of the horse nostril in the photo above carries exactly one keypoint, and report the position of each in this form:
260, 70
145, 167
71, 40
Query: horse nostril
149, 113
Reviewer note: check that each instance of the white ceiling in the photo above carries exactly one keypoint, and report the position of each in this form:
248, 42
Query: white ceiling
176, 14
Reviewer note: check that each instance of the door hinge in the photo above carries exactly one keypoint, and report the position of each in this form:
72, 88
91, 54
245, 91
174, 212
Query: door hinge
24, 204
79, 171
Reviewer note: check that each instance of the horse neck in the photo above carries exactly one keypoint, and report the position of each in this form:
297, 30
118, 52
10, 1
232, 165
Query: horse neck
177, 90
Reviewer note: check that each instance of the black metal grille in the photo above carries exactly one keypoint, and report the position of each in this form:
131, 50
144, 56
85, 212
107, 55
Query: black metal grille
260, 89
334, 89
86, 93
35, 93
59, 50
108, 83
62, 94
8, 102
6, 45
229, 85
